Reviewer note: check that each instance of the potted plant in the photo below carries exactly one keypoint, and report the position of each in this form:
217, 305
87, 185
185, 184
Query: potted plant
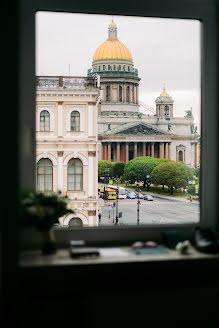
42, 210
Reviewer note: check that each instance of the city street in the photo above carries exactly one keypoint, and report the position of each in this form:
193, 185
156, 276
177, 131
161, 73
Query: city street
161, 210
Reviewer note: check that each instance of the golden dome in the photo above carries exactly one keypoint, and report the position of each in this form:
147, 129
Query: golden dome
112, 49
164, 94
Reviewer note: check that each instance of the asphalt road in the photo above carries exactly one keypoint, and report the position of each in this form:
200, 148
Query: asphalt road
159, 211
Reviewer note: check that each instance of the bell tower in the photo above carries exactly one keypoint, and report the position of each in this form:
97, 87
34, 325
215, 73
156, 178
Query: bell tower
164, 105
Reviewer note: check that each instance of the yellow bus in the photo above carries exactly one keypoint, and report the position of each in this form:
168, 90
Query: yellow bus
111, 193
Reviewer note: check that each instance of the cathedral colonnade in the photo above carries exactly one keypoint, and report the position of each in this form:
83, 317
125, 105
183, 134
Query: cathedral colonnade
125, 151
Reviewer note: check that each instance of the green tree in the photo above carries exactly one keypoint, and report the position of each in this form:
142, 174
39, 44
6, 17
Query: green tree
105, 169
137, 169
118, 169
172, 174
191, 190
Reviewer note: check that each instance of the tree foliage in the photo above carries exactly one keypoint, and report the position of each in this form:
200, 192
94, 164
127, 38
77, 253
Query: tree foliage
118, 169
105, 169
138, 168
172, 174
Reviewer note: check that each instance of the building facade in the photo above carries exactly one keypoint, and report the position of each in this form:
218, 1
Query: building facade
124, 131
66, 143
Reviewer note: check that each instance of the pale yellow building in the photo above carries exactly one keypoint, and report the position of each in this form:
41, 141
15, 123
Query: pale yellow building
66, 143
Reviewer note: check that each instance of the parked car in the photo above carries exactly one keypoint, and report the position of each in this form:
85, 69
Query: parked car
140, 195
131, 195
148, 197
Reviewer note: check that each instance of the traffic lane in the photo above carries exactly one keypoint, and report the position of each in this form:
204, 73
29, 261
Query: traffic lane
157, 211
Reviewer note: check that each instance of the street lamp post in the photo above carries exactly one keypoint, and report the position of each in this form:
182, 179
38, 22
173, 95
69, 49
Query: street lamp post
117, 203
138, 203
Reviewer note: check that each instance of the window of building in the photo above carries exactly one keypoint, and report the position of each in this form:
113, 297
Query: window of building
44, 121
75, 121
75, 175
120, 93
104, 67
108, 93
128, 68
166, 111
75, 222
180, 156
119, 68
123, 67
44, 175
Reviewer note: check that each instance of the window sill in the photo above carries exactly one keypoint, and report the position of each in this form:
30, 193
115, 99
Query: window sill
35, 259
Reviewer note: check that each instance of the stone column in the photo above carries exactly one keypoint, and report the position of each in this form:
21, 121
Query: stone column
60, 110
106, 151
165, 150
124, 95
109, 152
137, 95
60, 171
161, 150
144, 149
111, 92
118, 93
134, 100
103, 151
130, 93
135, 149
118, 152
149, 149
195, 162
152, 149
126, 152
169, 150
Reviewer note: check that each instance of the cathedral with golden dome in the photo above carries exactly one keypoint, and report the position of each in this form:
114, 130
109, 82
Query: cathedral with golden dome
124, 132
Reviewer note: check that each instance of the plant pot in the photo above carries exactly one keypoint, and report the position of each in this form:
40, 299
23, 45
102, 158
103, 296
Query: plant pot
48, 242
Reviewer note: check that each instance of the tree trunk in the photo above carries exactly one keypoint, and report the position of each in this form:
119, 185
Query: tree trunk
171, 190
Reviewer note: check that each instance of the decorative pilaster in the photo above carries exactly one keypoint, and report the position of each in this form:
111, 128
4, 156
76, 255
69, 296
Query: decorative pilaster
91, 157
60, 110
195, 162
60, 171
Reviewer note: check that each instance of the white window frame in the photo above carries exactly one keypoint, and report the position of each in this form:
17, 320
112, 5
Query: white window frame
203, 11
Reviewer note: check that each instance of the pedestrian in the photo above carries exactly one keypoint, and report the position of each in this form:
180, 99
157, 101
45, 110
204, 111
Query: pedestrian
99, 215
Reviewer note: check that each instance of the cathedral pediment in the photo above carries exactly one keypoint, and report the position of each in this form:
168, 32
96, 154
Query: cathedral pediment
134, 129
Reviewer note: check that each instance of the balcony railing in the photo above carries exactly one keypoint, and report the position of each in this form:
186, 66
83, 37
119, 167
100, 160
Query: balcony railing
65, 82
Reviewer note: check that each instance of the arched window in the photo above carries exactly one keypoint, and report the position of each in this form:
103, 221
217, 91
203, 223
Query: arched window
44, 175
108, 93
166, 110
76, 222
75, 121
180, 156
123, 67
75, 175
44, 121
127, 94
120, 93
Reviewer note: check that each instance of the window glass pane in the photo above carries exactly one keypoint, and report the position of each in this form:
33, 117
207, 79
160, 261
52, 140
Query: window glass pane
71, 169
48, 170
78, 169
48, 185
70, 178
40, 183
40, 170
70, 186
42, 126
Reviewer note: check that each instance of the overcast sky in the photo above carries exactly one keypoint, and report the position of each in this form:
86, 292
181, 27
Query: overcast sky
165, 51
